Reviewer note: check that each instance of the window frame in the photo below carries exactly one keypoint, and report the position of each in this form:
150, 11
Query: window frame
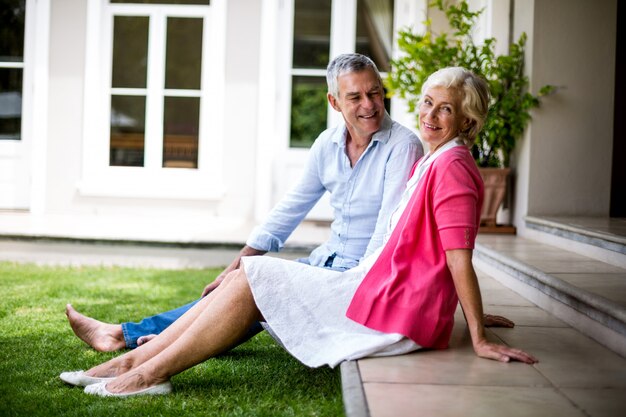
342, 39
276, 70
99, 179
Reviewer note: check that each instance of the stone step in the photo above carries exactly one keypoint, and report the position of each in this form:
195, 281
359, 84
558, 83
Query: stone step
586, 293
602, 238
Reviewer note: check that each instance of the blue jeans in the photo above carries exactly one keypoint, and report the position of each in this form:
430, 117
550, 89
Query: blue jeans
159, 322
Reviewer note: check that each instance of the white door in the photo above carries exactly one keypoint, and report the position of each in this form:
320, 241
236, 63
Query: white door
314, 31
153, 119
14, 144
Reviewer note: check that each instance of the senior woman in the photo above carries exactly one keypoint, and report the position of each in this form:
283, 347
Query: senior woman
398, 300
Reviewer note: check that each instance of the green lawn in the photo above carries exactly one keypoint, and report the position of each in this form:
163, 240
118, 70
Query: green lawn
36, 344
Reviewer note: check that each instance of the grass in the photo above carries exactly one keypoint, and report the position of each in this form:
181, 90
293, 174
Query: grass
36, 343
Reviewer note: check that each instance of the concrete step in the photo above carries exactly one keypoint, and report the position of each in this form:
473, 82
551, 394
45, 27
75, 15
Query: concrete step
601, 238
586, 293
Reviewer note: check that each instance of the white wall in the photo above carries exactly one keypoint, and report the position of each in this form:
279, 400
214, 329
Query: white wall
66, 106
241, 107
65, 102
564, 162
562, 166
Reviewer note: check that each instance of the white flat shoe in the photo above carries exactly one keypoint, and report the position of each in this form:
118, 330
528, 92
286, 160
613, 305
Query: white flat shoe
79, 379
100, 389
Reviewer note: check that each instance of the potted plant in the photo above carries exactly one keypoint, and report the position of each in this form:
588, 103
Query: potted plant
423, 54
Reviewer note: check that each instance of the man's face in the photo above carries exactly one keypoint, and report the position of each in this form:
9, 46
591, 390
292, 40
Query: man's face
360, 102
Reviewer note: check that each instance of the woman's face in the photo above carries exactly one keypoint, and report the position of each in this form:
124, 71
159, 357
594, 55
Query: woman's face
441, 118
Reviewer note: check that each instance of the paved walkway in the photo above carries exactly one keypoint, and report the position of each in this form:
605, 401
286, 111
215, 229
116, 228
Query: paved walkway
106, 254
164, 241
172, 229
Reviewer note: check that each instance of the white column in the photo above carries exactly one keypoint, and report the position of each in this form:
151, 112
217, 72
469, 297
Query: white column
38, 24
267, 105
407, 14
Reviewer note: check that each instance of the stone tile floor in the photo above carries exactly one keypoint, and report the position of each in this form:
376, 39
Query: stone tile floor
575, 375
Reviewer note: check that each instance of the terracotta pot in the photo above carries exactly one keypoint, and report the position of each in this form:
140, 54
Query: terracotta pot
495, 180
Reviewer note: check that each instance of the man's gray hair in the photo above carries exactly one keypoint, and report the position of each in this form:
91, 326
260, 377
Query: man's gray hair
347, 63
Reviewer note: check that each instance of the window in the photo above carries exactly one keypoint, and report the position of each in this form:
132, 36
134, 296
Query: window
12, 22
178, 92
158, 85
374, 31
314, 37
311, 51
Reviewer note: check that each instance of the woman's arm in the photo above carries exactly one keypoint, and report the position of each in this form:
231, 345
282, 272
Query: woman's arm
466, 283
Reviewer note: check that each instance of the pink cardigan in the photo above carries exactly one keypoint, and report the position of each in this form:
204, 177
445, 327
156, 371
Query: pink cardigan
409, 289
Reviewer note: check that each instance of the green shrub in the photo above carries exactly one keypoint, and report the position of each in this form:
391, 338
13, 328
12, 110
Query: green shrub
511, 102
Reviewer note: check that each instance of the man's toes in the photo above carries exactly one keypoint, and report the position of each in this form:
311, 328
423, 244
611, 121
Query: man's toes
145, 339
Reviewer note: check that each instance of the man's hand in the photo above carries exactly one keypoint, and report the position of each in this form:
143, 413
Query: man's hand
213, 285
490, 320
245, 251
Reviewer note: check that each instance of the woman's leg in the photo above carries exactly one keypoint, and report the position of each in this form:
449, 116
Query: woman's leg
222, 322
129, 360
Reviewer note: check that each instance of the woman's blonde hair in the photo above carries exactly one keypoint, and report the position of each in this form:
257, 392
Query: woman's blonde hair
474, 96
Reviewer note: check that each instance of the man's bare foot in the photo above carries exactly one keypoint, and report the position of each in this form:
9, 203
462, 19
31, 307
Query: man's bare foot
145, 339
103, 337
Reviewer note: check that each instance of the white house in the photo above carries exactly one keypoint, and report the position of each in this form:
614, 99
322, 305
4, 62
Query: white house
197, 111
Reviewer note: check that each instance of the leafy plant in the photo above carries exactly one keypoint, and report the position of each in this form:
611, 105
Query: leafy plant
511, 102
308, 112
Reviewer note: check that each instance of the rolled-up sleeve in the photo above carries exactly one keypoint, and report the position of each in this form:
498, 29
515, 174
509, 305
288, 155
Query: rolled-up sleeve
456, 208
291, 209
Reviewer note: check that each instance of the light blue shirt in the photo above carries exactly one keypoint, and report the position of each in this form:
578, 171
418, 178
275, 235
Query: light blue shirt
362, 197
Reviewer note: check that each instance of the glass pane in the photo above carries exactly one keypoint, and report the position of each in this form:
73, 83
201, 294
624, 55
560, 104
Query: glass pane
184, 53
180, 132
374, 31
128, 120
12, 14
10, 103
206, 2
311, 33
308, 110
130, 51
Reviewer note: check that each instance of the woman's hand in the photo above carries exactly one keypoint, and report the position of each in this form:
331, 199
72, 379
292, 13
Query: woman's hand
466, 284
502, 353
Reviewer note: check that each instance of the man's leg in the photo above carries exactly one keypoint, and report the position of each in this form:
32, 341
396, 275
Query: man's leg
152, 325
106, 337
255, 329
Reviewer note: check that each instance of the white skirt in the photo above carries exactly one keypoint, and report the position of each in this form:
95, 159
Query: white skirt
305, 311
